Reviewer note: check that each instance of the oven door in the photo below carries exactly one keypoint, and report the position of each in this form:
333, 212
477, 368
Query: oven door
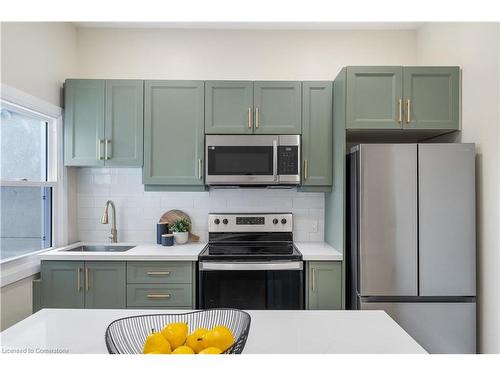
251, 286
241, 159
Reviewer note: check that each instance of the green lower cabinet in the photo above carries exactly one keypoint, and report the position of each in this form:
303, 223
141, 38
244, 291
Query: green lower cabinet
63, 284
163, 285
78, 284
105, 285
431, 96
317, 134
324, 285
159, 295
174, 133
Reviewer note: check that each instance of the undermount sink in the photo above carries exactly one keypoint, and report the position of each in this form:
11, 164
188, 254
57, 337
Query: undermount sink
105, 248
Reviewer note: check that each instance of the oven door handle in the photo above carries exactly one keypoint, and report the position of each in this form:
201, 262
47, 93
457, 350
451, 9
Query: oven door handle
275, 160
250, 266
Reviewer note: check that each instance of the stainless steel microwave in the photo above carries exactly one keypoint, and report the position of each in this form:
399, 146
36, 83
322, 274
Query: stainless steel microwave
252, 159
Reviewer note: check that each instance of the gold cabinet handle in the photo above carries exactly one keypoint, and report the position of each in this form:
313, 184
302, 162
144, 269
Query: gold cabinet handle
87, 279
408, 111
99, 143
400, 113
249, 118
158, 273
158, 295
257, 119
306, 169
313, 279
78, 283
106, 143
200, 169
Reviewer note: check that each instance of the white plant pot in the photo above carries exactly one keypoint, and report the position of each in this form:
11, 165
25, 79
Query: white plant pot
181, 237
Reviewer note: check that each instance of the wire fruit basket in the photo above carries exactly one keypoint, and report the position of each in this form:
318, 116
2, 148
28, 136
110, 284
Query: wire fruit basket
127, 335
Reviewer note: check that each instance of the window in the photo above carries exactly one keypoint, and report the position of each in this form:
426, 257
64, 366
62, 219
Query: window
28, 180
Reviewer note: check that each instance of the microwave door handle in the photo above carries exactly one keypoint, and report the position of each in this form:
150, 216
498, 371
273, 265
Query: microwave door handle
275, 160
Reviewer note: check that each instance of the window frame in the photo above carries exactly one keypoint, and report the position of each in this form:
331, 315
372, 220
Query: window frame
25, 265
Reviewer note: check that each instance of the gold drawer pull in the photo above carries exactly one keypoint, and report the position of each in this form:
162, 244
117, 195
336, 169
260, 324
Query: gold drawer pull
158, 273
158, 295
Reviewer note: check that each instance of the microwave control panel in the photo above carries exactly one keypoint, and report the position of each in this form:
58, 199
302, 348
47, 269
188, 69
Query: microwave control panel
288, 160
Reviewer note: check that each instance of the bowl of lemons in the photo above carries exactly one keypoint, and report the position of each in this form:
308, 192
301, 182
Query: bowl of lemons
213, 331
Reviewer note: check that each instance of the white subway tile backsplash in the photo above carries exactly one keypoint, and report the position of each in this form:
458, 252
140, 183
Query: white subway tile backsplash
139, 211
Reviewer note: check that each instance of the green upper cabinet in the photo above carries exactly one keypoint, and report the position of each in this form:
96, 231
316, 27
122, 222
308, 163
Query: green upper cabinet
173, 133
229, 107
124, 123
374, 97
63, 284
317, 134
277, 107
324, 285
105, 285
103, 123
388, 98
84, 122
431, 97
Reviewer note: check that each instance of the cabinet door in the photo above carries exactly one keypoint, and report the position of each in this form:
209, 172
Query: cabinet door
105, 285
124, 123
317, 133
173, 133
277, 107
63, 284
324, 285
374, 97
431, 97
84, 122
229, 107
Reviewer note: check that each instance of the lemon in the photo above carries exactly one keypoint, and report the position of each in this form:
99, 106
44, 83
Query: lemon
156, 343
218, 337
175, 333
154, 353
183, 349
195, 339
211, 350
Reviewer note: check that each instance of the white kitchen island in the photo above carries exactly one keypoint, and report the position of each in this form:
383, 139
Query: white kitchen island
271, 332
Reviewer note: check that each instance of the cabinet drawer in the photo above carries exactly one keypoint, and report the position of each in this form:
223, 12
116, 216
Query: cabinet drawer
156, 295
159, 272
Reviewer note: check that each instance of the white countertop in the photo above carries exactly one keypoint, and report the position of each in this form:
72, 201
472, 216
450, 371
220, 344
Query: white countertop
311, 251
148, 251
271, 332
318, 251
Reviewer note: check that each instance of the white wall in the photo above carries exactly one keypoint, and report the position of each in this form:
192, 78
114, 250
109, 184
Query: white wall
236, 54
139, 211
38, 57
476, 48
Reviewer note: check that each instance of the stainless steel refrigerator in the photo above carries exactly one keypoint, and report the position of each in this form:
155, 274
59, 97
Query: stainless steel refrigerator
412, 239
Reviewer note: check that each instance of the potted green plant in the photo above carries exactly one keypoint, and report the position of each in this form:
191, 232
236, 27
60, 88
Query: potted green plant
180, 230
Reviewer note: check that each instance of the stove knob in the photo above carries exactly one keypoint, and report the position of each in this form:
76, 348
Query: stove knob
275, 221
216, 221
225, 221
283, 221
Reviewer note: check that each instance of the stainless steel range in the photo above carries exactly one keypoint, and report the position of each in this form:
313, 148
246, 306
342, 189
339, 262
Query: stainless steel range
251, 262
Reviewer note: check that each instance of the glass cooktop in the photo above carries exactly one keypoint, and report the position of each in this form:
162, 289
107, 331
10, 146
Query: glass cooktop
253, 251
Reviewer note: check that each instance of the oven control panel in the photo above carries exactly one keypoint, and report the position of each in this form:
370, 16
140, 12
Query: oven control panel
269, 222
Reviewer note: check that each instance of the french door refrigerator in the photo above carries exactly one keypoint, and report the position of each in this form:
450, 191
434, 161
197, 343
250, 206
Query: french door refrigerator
411, 240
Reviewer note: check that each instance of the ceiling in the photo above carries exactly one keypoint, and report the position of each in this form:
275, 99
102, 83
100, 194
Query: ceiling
257, 25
